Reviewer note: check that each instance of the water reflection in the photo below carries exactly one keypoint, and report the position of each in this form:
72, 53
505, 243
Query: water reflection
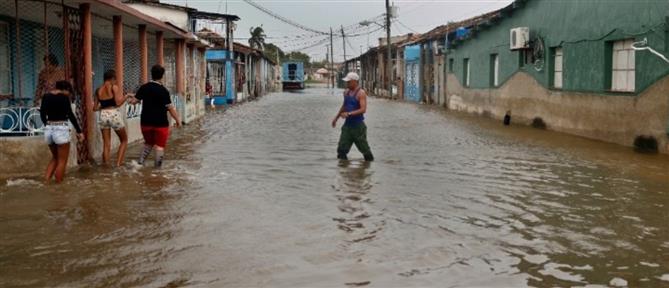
352, 190
91, 229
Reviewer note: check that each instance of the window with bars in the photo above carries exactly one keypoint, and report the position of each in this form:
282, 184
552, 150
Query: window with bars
557, 68
5, 69
623, 66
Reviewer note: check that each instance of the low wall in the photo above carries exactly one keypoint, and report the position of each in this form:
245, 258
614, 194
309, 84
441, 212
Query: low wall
25, 156
133, 129
29, 156
611, 118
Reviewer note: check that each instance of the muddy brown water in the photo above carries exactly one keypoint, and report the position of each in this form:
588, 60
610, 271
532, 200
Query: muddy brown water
253, 197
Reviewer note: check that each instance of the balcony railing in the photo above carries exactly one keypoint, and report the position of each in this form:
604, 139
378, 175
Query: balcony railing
19, 120
133, 110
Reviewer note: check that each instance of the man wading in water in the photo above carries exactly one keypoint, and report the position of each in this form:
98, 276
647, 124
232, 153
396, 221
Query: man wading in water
354, 130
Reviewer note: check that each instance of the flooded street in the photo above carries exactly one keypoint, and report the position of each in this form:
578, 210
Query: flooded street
253, 196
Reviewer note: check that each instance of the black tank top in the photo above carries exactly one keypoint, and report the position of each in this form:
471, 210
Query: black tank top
108, 103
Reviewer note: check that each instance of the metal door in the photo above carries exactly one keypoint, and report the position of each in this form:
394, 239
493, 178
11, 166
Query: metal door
412, 73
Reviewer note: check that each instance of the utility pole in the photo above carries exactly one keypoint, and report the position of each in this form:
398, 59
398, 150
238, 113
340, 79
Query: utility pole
332, 77
343, 42
389, 63
327, 60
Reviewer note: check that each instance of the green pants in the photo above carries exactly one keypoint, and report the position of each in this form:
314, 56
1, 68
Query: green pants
356, 134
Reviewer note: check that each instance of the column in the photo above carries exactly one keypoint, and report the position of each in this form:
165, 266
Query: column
160, 42
229, 39
67, 50
190, 57
87, 39
143, 55
118, 50
203, 69
179, 43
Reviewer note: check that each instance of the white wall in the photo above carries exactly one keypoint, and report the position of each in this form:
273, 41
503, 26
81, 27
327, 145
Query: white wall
176, 17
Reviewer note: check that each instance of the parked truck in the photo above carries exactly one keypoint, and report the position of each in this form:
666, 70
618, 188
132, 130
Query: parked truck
293, 75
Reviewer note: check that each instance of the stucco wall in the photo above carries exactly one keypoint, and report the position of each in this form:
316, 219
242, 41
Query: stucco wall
28, 156
584, 29
176, 17
616, 119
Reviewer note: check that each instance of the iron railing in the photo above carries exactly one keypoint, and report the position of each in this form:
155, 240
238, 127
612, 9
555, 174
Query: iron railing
133, 110
20, 121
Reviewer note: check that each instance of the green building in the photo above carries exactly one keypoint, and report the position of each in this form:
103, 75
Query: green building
571, 63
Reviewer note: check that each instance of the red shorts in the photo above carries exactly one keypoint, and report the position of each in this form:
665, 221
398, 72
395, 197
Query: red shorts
156, 135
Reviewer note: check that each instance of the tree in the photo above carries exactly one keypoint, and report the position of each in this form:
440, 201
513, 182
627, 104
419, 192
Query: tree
320, 64
297, 56
274, 52
257, 39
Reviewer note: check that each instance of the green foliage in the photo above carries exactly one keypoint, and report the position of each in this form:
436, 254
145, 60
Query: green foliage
272, 51
297, 56
257, 39
320, 64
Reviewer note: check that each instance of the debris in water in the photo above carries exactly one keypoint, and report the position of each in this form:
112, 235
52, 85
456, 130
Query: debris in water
618, 282
358, 284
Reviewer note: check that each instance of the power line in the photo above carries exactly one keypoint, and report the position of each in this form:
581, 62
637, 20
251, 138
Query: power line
319, 43
283, 19
405, 26
349, 45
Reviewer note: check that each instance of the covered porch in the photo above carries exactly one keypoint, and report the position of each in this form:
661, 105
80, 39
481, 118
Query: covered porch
42, 42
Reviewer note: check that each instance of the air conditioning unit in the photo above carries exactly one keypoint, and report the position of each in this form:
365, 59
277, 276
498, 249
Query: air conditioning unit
520, 38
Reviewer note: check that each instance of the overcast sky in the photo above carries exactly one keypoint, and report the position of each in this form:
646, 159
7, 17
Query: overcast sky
417, 15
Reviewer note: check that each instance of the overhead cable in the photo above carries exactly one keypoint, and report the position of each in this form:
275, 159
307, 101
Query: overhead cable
284, 19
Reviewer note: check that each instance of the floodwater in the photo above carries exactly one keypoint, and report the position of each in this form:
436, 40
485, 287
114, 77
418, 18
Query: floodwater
253, 197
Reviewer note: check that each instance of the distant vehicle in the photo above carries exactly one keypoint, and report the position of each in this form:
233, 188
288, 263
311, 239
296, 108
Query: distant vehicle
293, 75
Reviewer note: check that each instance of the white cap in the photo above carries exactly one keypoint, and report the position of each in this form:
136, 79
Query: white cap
351, 76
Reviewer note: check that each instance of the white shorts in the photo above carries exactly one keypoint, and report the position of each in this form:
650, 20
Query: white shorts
111, 119
57, 134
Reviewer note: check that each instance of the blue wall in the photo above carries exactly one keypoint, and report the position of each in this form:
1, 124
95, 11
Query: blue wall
222, 56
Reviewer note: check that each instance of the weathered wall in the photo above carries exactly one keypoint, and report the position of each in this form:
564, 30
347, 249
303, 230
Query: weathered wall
28, 156
612, 119
24, 156
583, 29
178, 18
